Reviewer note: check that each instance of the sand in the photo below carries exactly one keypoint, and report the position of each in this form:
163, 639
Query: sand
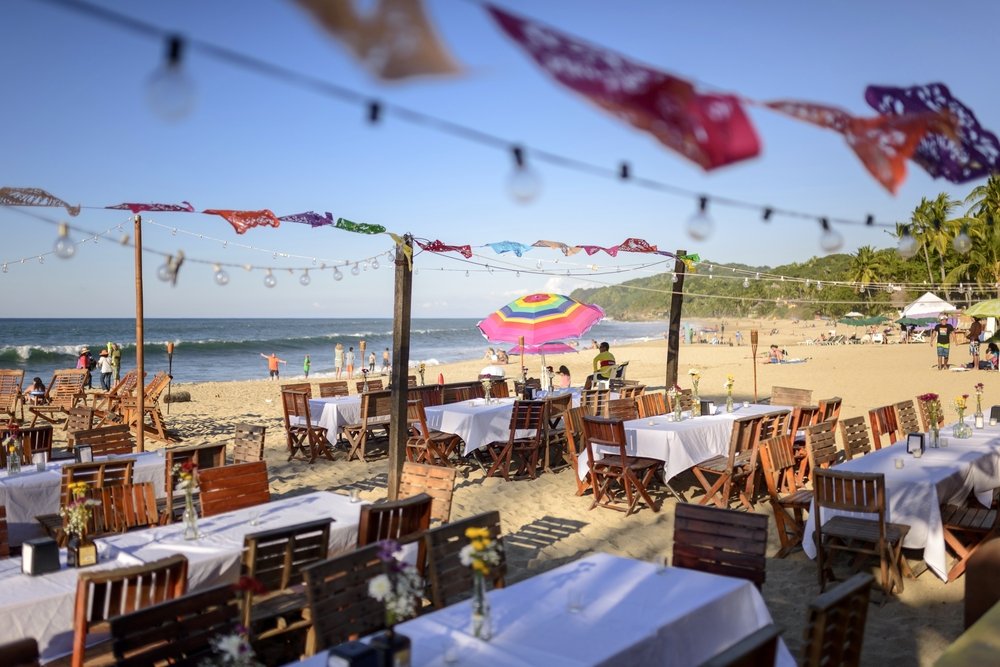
546, 524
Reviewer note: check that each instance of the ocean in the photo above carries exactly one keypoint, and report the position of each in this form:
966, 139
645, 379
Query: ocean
230, 349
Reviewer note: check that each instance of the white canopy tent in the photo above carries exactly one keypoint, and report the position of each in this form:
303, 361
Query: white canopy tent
928, 305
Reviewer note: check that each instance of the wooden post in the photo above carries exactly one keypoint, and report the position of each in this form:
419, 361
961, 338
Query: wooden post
140, 387
753, 351
674, 327
400, 364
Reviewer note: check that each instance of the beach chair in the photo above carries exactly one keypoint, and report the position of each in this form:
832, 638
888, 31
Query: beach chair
854, 432
107, 440
758, 648
304, 438
248, 443
836, 627
435, 481
11, 394
64, 392
450, 580
136, 417
229, 488
107, 404
723, 476
617, 474
721, 541
788, 501
376, 408
426, 445
339, 604
525, 440
333, 389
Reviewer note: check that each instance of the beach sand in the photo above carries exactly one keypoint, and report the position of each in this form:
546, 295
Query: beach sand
545, 524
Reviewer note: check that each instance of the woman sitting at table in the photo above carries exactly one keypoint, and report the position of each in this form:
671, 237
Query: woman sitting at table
562, 378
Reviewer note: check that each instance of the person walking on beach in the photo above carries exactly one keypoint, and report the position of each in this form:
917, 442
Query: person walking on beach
349, 362
272, 364
338, 360
86, 362
305, 366
106, 369
975, 333
385, 362
371, 362
116, 361
942, 340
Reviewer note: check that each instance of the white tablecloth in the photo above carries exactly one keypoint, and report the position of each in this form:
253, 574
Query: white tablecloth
681, 445
42, 607
31, 493
634, 613
915, 492
475, 421
334, 412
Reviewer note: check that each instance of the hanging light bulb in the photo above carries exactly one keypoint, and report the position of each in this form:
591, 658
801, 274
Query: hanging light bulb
364, 265
270, 280
746, 282
164, 273
221, 277
757, 277
830, 240
64, 248
304, 279
699, 225
907, 246
523, 184
170, 92
374, 263
5, 267
355, 270
337, 275
517, 274
962, 242
819, 286
466, 273
538, 264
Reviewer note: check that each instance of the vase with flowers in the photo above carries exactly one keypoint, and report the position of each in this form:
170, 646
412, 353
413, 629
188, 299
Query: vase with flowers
980, 420
80, 551
695, 396
487, 383
932, 406
187, 481
231, 650
14, 447
398, 588
481, 553
674, 395
961, 429
730, 381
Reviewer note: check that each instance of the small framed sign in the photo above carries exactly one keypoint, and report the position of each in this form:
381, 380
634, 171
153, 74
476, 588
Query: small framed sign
708, 407
915, 443
84, 454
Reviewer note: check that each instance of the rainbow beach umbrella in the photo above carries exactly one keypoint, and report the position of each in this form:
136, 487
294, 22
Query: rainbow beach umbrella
540, 319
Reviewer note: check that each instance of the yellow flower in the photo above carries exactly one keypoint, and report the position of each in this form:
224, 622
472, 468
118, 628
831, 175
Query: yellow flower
477, 533
480, 566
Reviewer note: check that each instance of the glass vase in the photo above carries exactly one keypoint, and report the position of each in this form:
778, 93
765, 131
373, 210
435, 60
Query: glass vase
695, 404
961, 429
482, 622
678, 413
934, 436
729, 403
980, 420
190, 517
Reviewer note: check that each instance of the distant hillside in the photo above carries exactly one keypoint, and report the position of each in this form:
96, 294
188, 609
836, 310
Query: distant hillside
717, 293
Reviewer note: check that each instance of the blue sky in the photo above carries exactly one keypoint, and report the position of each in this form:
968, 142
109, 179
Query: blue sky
77, 124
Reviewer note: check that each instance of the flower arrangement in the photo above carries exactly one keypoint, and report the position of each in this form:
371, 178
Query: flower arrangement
961, 404
13, 447
931, 404
728, 385
979, 399
695, 395
232, 650
481, 553
78, 510
187, 481
961, 430
673, 393
398, 587
487, 383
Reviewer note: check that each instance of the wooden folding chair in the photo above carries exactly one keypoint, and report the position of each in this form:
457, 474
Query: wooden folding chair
617, 473
304, 387
125, 507
555, 432
103, 594
77, 419
403, 520
857, 493
829, 408
107, 440
924, 406
248, 443
721, 476
276, 558
450, 580
339, 604
136, 417
595, 402
11, 393
435, 481
721, 541
37, 440
333, 389
64, 392
20, 653
883, 423
854, 432
788, 500
107, 404
427, 445
633, 391
96, 475
304, 438
376, 408
212, 455
965, 529
907, 419
233, 487
756, 649
836, 627
575, 443
623, 408
176, 632
652, 404
526, 440
370, 385
791, 396
821, 449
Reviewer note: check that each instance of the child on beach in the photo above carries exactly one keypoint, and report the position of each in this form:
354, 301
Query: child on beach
305, 366
385, 362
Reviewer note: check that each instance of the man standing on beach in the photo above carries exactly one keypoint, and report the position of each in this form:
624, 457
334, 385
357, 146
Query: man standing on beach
385, 362
942, 338
975, 333
272, 364
116, 361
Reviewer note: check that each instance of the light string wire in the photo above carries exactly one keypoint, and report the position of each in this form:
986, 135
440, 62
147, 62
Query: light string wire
445, 126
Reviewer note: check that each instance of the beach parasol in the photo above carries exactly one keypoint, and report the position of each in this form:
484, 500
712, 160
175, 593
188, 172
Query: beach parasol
545, 348
989, 308
862, 321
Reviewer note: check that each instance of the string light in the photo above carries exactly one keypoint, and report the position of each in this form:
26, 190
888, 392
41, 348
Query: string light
304, 279
907, 245
374, 263
962, 243
337, 275
170, 91
830, 240
355, 270
220, 275
699, 225
269, 280
64, 247
746, 282
523, 184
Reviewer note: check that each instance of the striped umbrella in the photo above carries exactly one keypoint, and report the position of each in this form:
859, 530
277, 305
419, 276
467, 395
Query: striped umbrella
540, 318
545, 348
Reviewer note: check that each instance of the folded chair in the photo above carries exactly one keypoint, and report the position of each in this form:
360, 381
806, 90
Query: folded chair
555, 432
576, 443
426, 445
248, 443
791, 396
304, 438
136, 417
304, 387
616, 474
788, 500
836, 626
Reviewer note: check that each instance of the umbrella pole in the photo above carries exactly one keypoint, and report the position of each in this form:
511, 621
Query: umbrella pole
524, 372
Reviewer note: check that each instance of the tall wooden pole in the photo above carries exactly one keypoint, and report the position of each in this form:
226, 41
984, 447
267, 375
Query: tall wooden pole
400, 364
140, 388
674, 328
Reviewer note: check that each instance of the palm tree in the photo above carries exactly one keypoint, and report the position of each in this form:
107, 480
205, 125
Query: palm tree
982, 263
938, 212
866, 267
922, 229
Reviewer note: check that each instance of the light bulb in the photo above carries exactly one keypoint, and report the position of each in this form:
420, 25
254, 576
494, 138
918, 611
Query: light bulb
304, 279
819, 286
270, 280
746, 282
466, 274
523, 184
517, 275
374, 263
170, 92
700, 225
221, 277
64, 248
355, 270
364, 265
962, 242
907, 246
164, 273
830, 240
674, 279
337, 275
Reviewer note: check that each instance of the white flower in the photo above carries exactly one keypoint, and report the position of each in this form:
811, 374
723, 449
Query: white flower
465, 555
230, 646
380, 587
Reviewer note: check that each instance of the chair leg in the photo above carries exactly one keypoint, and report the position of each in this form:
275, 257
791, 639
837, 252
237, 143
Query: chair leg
501, 462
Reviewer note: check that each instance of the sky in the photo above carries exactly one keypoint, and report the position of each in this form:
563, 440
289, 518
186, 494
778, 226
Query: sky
77, 123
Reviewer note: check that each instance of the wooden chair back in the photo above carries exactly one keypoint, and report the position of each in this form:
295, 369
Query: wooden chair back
403, 520
821, 444
883, 423
34, 439
854, 433
107, 440
107, 404
595, 402
20, 653
411, 380
777, 461
803, 416
78, 419
925, 422
277, 557
559, 405
204, 456
982, 585
125, 507
829, 408
575, 443
608, 435
633, 391
756, 649
304, 387
774, 424
652, 404
333, 388
458, 394
623, 408
175, 632
233, 487
836, 626
849, 492
11, 393
248, 443
721, 541
373, 385
66, 388
4, 534
907, 419
450, 580
500, 388
339, 604
437, 482
791, 396
96, 475
104, 594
